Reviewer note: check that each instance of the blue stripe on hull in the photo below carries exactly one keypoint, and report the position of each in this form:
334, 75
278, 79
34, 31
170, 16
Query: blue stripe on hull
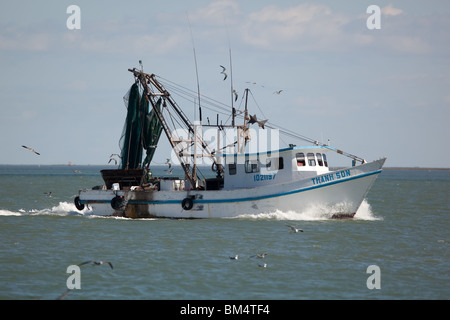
252, 198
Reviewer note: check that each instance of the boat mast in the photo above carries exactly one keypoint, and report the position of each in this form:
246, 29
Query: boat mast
146, 79
143, 78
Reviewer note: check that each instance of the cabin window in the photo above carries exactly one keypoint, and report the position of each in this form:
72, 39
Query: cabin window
280, 163
251, 166
325, 162
311, 159
274, 164
300, 159
232, 169
319, 159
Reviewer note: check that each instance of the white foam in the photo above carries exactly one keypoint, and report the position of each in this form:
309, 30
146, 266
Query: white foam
315, 213
63, 208
365, 212
312, 214
9, 213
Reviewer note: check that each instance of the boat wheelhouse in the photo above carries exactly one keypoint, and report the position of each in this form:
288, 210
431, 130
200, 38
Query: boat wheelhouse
280, 166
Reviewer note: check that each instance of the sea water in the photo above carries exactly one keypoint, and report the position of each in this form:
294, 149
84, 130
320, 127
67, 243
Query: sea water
396, 247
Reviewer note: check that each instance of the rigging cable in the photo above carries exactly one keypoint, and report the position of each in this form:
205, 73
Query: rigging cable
224, 110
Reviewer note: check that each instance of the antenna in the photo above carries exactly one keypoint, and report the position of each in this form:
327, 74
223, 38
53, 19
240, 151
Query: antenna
233, 112
196, 69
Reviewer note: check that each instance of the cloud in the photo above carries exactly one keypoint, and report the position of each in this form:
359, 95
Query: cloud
16, 39
216, 12
274, 28
303, 27
389, 10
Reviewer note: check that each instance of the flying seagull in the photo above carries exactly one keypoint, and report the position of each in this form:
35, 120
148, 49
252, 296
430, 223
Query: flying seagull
168, 162
235, 95
111, 158
294, 229
169, 171
96, 263
31, 150
253, 119
260, 255
252, 82
278, 92
223, 72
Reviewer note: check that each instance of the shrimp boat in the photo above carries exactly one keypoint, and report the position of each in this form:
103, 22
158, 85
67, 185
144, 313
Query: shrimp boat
250, 173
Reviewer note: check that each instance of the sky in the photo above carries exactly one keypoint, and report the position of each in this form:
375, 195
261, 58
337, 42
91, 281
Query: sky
373, 92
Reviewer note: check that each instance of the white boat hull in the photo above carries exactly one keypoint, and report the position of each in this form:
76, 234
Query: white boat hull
335, 194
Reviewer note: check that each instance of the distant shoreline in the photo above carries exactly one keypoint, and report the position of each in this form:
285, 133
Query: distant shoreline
406, 169
162, 165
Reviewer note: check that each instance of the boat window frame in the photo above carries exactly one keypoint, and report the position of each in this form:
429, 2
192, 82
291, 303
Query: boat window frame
275, 164
232, 169
311, 160
251, 166
325, 161
319, 159
301, 160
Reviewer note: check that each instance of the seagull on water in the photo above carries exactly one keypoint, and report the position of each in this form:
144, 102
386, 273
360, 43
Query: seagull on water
96, 263
236, 257
31, 150
294, 229
223, 72
262, 265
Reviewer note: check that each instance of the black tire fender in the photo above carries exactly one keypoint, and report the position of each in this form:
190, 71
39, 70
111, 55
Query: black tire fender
187, 203
118, 202
78, 204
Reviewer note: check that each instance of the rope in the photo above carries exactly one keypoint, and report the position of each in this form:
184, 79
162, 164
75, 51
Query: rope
224, 109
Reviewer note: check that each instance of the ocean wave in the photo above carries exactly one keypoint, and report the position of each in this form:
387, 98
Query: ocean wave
315, 213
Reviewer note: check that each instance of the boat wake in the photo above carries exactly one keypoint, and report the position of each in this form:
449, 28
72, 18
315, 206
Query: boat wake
314, 213
62, 209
